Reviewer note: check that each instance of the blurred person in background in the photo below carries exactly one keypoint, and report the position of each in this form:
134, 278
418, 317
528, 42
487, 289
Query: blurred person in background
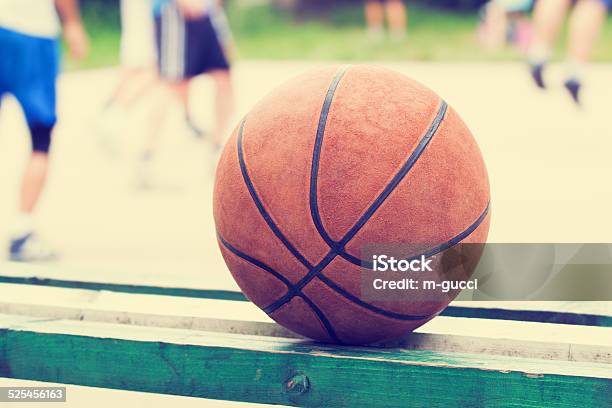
506, 22
586, 22
193, 38
396, 13
138, 72
29, 65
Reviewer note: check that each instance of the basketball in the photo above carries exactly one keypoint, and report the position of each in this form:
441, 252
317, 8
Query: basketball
333, 160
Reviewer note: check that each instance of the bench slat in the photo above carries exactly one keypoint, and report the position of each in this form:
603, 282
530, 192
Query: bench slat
272, 370
449, 334
571, 313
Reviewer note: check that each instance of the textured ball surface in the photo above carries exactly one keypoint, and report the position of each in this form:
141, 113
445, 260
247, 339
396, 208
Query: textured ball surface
333, 160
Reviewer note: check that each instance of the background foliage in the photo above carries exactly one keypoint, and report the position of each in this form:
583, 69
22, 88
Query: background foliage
438, 30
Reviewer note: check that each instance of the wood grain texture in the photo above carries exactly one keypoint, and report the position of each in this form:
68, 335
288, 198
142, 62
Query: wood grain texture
260, 369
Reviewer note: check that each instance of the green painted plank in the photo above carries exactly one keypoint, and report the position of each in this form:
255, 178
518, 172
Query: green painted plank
540, 316
126, 288
564, 317
259, 369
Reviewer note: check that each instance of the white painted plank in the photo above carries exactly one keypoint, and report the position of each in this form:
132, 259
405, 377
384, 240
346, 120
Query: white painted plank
467, 335
224, 281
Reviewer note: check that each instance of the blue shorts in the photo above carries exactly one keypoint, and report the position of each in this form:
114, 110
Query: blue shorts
28, 70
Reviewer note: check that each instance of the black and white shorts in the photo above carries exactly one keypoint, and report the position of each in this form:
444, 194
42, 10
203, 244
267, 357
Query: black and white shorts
187, 47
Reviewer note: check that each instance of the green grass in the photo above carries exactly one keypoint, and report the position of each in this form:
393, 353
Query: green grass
433, 35
104, 29
264, 33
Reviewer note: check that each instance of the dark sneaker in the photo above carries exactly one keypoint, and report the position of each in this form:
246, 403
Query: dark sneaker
537, 73
573, 87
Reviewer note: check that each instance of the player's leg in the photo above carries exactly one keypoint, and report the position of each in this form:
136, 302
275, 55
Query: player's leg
215, 61
224, 105
135, 82
375, 19
494, 25
585, 26
173, 54
208, 52
138, 76
397, 16
522, 30
518, 30
137, 53
178, 91
170, 49
167, 94
34, 88
164, 99
548, 17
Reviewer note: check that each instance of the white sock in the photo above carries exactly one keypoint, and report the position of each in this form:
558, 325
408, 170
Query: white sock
23, 224
574, 70
539, 54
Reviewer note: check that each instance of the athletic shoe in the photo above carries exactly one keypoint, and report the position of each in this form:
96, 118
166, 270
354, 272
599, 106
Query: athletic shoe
537, 71
573, 87
30, 248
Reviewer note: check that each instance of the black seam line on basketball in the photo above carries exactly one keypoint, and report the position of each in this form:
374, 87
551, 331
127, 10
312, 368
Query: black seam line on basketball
351, 258
456, 240
338, 249
414, 157
318, 312
275, 229
352, 298
254, 261
449, 244
296, 289
322, 318
316, 155
436, 250
339, 246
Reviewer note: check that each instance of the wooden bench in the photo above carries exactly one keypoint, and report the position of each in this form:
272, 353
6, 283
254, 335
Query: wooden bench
210, 343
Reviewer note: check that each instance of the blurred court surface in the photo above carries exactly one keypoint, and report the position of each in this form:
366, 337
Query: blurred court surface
549, 165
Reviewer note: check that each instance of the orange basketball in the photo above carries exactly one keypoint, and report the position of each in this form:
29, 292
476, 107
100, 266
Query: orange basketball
331, 161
